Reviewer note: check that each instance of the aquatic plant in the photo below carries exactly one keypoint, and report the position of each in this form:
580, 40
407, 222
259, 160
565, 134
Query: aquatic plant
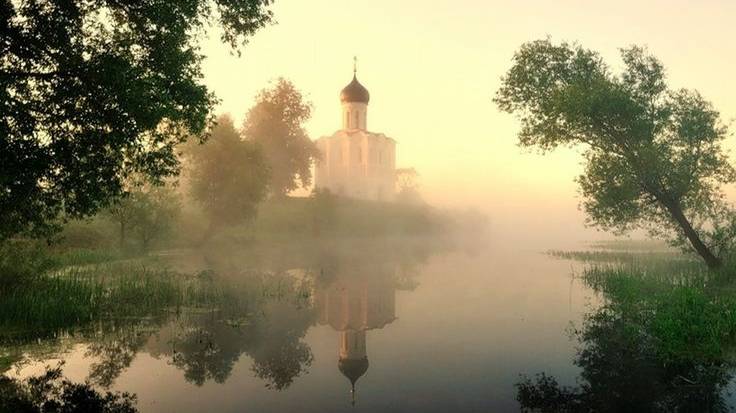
660, 341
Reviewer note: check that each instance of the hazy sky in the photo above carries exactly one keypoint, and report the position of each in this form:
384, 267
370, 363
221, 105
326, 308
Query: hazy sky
432, 69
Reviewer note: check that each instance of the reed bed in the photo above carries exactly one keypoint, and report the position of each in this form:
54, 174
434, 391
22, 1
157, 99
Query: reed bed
618, 256
76, 296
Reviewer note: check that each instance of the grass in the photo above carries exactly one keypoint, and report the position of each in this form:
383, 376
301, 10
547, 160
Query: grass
617, 256
631, 245
86, 256
687, 310
73, 297
662, 339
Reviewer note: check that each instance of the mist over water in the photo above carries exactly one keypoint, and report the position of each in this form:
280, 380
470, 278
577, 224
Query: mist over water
368, 206
445, 325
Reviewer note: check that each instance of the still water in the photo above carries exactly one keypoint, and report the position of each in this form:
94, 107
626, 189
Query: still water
359, 326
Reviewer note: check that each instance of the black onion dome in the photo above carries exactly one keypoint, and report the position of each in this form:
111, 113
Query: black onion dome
355, 92
353, 369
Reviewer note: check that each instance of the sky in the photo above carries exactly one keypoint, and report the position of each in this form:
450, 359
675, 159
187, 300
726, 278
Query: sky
432, 69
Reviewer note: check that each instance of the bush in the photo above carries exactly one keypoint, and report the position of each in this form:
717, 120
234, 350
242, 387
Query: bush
21, 262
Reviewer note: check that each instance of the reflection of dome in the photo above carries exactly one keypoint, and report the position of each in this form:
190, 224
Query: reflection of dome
353, 369
355, 92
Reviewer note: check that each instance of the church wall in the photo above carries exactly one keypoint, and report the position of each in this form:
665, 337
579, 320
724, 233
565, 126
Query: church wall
359, 165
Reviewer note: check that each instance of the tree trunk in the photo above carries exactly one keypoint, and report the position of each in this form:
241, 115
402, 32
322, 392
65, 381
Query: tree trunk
710, 260
122, 235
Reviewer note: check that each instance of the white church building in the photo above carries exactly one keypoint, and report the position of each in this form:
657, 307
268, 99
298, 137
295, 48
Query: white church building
355, 162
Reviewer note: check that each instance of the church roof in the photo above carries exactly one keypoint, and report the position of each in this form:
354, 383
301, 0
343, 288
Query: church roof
355, 92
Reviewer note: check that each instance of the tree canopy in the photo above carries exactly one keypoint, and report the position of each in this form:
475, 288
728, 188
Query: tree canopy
93, 91
653, 155
229, 176
148, 212
275, 123
407, 183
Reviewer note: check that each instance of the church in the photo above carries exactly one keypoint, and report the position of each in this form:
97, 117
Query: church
357, 163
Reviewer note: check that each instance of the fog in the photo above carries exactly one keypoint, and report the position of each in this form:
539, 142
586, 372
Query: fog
432, 71
286, 259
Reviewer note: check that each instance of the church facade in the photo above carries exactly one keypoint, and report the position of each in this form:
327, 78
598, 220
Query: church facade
355, 162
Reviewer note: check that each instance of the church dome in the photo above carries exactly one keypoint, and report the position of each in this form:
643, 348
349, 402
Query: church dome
355, 92
353, 369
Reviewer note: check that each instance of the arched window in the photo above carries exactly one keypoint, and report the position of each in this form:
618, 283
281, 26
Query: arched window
357, 119
347, 119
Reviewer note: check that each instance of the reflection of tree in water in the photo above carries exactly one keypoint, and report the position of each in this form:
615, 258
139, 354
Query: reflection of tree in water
265, 317
115, 348
51, 393
279, 355
205, 349
206, 346
625, 368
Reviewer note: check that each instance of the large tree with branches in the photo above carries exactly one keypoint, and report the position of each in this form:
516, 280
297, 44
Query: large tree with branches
653, 155
93, 91
276, 124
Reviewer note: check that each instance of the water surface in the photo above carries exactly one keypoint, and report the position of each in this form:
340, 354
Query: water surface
352, 326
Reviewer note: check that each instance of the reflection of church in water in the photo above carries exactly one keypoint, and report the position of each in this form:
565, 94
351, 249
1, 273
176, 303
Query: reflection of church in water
353, 306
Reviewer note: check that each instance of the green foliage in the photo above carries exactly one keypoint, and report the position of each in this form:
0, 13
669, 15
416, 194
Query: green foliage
22, 262
276, 123
51, 393
94, 91
57, 289
148, 212
545, 395
661, 341
93, 233
84, 256
229, 176
653, 155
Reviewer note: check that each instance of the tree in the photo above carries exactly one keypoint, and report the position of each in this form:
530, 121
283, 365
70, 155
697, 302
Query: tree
653, 155
159, 208
148, 212
123, 213
275, 123
407, 182
93, 91
229, 176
